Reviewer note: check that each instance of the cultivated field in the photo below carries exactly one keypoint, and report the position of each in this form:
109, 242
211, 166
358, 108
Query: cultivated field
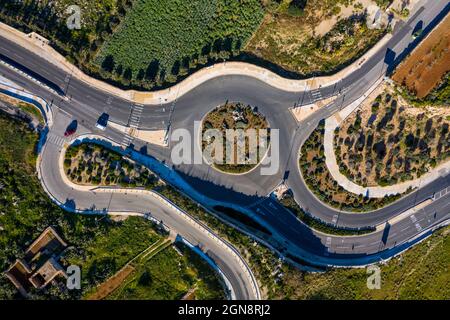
160, 40
428, 63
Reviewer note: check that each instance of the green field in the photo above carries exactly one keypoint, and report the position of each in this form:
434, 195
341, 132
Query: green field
169, 276
160, 40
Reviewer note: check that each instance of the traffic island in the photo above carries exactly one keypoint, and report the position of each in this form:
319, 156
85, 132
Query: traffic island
235, 138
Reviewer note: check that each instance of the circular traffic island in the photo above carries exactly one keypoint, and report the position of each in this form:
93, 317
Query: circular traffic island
235, 138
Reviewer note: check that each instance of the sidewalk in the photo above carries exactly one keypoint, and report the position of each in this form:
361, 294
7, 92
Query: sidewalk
39, 46
332, 123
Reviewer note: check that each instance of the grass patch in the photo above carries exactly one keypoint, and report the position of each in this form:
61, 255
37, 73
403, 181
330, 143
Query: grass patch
406, 277
169, 276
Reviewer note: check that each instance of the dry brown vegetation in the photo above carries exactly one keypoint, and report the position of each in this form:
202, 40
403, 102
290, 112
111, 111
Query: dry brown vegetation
428, 63
111, 284
313, 39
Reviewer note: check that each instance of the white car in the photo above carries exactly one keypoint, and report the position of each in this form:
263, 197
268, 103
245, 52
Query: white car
102, 121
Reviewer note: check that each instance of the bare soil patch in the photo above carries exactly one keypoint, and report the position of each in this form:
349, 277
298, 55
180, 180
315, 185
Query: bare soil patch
106, 288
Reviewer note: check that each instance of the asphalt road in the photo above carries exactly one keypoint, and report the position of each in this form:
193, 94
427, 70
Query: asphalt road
250, 190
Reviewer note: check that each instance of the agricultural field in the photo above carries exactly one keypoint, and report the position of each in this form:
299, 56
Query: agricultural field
234, 116
388, 141
161, 40
427, 65
89, 164
314, 37
319, 180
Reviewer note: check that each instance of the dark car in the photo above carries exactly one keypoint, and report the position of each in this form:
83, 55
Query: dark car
102, 121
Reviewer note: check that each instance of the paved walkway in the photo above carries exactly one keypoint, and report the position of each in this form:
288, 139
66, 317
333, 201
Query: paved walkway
373, 192
39, 45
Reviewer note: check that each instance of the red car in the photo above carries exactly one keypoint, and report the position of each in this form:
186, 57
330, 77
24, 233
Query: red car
71, 129
69, 132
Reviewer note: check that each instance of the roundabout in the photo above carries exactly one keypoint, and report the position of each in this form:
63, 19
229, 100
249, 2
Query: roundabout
249, 192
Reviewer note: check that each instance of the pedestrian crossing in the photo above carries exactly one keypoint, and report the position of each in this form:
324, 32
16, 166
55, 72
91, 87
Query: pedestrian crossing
135, 116
316, 95
327, 246
133, 123
126, 141
56, 140
416, 223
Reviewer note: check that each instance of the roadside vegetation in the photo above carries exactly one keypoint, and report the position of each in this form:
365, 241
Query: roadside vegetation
28, 111
173, 274
388, 141
289, 202
319, 180
311, 37
234, 116
100, 245
406, 277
